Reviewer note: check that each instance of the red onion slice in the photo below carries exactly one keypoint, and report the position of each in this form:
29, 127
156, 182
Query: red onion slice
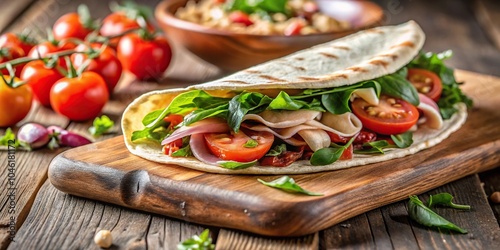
33, 134
211, 125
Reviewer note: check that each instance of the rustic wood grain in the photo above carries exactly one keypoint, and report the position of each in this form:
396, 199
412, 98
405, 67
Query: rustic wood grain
230, 239
390, 227
116, 176
491, 183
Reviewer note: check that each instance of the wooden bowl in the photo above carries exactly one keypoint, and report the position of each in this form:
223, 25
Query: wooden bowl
235, 51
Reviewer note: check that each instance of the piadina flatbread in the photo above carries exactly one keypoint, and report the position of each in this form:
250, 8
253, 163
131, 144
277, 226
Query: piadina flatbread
363, 56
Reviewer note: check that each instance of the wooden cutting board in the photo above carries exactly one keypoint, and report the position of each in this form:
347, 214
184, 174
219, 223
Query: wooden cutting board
107, 172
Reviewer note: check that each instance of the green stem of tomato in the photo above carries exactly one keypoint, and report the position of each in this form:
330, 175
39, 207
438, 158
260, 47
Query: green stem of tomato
22, 60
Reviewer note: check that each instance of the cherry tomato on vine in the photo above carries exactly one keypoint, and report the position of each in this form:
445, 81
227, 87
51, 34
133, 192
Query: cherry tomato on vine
80, 98
426, 82
145, 57
117, 23
74, 25
391, 116
47, 48
40, 78
10, 53
24, 42
234, 146
15, 103
104, 62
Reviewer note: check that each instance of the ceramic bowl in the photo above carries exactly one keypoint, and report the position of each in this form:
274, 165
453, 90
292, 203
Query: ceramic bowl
235, 51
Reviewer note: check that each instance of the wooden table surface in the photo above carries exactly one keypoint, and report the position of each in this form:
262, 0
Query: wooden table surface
49, 219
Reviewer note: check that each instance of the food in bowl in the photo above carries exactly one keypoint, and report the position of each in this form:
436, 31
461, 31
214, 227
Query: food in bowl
264, 17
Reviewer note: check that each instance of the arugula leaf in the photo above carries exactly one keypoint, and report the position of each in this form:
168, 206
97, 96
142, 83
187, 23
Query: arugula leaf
243, 103
445, 199
396, 85
236, 165
452, 93
284, 102
329, 155
183, 152
251, 144
252, 6
403, 140
200, 114
375, 147
277, 150
181, 104
202, 242
288, 184
425, 216
101, 125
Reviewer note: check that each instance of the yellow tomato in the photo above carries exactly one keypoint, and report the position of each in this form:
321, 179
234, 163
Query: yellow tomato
15, 103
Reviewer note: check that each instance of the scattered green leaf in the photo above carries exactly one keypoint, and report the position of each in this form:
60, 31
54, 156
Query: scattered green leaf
329, 155
425, 216
201, 242
445, 199
101, 125
288, 184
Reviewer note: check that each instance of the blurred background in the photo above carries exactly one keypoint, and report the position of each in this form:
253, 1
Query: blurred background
471, 28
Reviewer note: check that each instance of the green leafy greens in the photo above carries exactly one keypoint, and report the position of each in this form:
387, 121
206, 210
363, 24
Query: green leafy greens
201, 242
451, 92
329, 155
101, 125
257, 6
288, 184
423, 215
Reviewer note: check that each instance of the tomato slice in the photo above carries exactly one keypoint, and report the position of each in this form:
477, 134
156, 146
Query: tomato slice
426, 82
173, 120
282, 160
390, 116
235, 146
172, 147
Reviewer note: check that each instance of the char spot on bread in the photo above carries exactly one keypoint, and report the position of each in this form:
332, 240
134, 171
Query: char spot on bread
404, 44
357, 69
379, 62
307, 78
394, 57
237, 82
272, 78
329, 55
341, 47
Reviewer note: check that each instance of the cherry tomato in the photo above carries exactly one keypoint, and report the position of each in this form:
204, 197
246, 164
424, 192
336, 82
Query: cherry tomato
172, 147
70, 26
293, 28
47, 48
426, 82
15, 103
240, 17
117, 23
41, 79
232, 146
24, 42
106, 64
10, 53
79, 98
390, 116
146, 59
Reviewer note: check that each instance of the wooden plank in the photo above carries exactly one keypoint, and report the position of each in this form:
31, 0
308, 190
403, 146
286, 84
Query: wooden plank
487, 13
107, 168
230, 239
68, 222
391, 228
11, 10
491, 181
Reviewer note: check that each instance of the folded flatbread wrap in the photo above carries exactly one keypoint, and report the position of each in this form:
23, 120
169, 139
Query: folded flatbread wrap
347, 61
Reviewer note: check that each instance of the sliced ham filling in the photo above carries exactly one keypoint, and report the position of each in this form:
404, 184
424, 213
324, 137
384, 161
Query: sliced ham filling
432, 117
